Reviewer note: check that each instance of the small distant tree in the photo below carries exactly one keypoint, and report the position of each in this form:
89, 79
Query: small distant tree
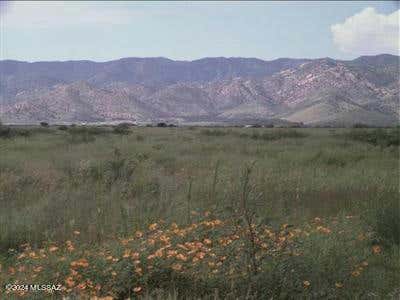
63, 127
360, 125
122, 128
162, 124
44, 124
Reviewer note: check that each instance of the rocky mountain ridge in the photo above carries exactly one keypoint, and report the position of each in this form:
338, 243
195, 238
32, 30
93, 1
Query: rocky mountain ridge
312, 91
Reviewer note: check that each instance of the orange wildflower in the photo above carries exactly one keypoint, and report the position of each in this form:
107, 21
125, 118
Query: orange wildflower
180, 256
127, 253
69, 281
82, 286
159, 253
53, 248
207, 241
82, 262
323, 229
153, 226
135, 255
306, 283
177, 267
22, 255
171, 253
376, 249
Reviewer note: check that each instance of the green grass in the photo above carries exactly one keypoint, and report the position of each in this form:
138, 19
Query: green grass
108, 182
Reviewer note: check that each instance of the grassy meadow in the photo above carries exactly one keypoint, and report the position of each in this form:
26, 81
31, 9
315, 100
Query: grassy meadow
200, 213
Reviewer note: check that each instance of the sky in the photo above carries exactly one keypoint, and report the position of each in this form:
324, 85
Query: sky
107, 30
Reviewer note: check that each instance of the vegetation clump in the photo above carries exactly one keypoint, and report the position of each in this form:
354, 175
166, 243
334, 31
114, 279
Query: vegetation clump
212, 257
122, 128
376, 137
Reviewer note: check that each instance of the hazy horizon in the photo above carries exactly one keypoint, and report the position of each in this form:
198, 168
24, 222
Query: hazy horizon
197, 59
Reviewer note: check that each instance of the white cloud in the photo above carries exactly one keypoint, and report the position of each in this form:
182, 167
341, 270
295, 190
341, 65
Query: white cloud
368, 33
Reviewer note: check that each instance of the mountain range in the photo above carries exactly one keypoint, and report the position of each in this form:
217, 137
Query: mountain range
312, 91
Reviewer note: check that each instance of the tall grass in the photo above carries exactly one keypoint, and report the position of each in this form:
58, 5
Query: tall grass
107, 185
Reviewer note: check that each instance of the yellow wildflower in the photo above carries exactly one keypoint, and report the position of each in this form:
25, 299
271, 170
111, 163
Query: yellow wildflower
339, 285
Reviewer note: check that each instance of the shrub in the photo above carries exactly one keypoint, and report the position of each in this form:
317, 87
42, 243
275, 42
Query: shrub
83, 134
387, 222
44, 124
213, 132
8, 132
63, 127
377, 137
278, 134
5, 132
360, 125
162, 124
122, 128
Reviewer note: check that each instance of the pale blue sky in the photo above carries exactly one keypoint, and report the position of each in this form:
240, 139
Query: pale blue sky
101, 31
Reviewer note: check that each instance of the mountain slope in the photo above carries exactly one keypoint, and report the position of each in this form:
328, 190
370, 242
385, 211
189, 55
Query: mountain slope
319, 91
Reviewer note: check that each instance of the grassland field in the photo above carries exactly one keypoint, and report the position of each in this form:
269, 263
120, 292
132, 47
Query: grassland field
201, 213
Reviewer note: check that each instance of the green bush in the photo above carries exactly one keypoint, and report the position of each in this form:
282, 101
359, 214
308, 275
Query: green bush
213, 132
122, 128
8, 132
83, 134
377, 137
63, 127
277, 134
387, 222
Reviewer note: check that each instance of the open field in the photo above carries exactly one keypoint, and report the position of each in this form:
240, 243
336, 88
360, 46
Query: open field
228, 213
